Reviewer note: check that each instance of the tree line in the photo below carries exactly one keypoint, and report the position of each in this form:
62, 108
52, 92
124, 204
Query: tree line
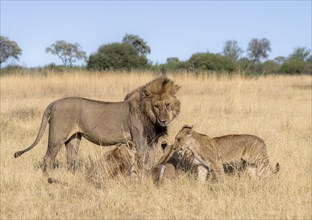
131, 54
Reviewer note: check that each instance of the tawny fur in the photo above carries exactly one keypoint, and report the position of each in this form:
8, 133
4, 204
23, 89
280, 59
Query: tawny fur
216, 152
122, 160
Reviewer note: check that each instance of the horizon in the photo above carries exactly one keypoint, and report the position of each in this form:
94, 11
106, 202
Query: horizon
171, 29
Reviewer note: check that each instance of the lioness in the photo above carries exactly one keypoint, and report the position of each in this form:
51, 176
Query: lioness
143, 117
212, 153
122, 160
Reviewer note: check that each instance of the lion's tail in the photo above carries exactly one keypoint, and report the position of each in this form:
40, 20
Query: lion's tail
44, 122
51, 180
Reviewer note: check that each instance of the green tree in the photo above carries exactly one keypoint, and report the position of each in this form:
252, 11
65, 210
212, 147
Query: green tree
300, 53
231, 49
293, 66
138, 43
279, 60
8, 49
258, 48
116, 56
67, 52
270, 66
172, 60
214, 62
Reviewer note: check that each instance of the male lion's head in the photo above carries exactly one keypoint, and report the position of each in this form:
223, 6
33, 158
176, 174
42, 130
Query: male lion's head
159, 100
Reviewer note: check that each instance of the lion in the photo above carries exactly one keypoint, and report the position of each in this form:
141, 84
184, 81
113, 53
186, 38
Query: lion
142, 117
241, 151
122, 160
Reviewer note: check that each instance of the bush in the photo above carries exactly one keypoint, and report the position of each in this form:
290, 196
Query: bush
9, 69
270, 66
244, 63
212, 62
293, 66
175, 66
116, 56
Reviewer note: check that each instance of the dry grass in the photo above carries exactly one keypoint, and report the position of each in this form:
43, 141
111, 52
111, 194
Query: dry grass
276, 108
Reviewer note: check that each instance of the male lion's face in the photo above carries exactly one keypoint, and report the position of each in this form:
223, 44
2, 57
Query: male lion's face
165, 108
160, 102
183, 139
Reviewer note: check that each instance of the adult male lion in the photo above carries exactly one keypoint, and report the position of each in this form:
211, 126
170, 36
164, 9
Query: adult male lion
143, 117
213, 153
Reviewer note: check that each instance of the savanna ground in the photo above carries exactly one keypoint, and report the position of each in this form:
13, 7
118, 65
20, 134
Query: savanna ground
275, 108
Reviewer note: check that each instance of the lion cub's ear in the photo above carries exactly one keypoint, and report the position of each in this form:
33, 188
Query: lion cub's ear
117, 151
188, 130
131, 145
187, 126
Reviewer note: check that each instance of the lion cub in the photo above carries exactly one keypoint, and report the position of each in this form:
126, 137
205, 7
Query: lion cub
242, 151
122, 160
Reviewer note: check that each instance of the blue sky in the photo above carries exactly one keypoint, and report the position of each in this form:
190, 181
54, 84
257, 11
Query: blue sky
171, 29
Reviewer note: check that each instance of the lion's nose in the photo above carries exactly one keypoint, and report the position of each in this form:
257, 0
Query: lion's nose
163, 121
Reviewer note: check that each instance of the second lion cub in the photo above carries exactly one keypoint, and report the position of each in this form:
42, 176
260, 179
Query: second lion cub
212, 154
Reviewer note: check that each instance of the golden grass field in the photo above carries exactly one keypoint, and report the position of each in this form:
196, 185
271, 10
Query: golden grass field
275, 108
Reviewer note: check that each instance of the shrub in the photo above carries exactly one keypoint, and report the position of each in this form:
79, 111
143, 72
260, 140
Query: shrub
116, 56
270, 66
293, 66
212, 62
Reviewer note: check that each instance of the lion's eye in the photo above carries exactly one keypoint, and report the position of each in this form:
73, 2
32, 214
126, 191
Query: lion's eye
167, 105
156, 106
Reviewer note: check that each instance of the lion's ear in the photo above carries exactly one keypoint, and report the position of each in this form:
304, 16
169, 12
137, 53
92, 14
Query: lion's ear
131, 145
117, 152
147, 93
175, 89
164, 145
189, 131
187, 126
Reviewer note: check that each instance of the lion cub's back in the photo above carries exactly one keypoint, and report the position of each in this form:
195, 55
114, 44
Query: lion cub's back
237, 146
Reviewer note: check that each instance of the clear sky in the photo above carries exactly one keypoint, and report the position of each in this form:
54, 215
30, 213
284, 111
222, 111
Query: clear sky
171, 29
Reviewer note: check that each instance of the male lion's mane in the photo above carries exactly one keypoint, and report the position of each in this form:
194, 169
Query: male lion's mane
141, 103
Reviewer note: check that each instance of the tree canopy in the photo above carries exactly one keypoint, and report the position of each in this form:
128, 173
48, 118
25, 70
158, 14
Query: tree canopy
258, 48
8, 49
232, 50
67, 52
137, 43
116, 56
300, 53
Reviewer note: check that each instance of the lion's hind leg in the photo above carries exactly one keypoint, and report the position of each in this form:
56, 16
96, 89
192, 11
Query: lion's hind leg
72, 148
54, 146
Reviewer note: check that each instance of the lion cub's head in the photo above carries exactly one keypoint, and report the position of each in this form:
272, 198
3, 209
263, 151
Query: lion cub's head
160, 102
184, 139
127, 155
